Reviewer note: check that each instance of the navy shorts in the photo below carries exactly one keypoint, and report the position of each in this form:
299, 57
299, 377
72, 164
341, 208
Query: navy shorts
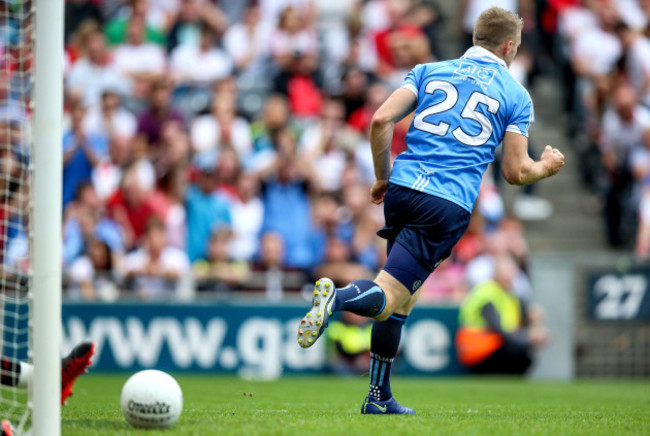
424, 225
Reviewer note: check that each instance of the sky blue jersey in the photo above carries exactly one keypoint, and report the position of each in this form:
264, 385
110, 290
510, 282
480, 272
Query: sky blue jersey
464, 108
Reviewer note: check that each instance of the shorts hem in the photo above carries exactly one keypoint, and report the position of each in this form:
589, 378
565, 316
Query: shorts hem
442, 195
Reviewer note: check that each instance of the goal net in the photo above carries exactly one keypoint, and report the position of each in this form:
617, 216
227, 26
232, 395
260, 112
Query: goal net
31, 102
16, 64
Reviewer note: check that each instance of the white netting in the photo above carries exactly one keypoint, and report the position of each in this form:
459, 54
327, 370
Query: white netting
16, 63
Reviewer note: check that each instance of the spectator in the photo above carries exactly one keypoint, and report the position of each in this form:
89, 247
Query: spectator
131, 205
404, 48
94, 72
86, 219
270, 272
483, 267
285, 185
363, 223
272, 252
202, 63
294, 48
375, 95
186, 28
275, 118
91, 275
172, 159
109, 118
349, 340
81, 153
625, 126
338, 265
13, 171
637, 60
170, 167
218, 270
640, 166
206, 211
331, 19
155, 270
222, 128
143, 63
354, 83
172, 156
150, 122
427, 16
76, 13
594, 54
393, 36
247, 43
362, 52
323, 144
227, 173
107, 174
14, 197
498, 330
247, 211
116, 29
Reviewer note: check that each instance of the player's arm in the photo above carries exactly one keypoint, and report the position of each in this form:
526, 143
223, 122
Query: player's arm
397, 106
519, 169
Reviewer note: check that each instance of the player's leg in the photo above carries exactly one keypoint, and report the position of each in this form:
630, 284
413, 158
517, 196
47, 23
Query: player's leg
377, 299
384, 344
20, 374
15, 373
73, 365
363, 297
404, 273
429, 237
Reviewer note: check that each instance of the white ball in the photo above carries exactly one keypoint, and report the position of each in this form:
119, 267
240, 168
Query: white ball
151, 399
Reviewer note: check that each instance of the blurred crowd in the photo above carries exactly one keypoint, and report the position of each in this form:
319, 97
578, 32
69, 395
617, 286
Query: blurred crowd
604, 47
221, 146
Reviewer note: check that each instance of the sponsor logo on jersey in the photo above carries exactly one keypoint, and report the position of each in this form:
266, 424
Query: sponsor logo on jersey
480, 74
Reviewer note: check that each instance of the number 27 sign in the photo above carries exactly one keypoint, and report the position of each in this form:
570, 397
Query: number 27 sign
619, 297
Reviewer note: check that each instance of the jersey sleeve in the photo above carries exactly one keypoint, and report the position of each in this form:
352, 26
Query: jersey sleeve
412, 80
522, 116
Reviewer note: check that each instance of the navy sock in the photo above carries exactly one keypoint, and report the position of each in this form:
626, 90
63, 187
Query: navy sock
383, 349
363, 297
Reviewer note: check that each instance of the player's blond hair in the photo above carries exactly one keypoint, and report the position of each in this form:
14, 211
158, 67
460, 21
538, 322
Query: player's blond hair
496, 26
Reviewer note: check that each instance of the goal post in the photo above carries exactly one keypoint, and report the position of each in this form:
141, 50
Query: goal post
47, 194
31, 118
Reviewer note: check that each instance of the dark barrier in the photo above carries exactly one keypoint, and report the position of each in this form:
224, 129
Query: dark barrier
249, 339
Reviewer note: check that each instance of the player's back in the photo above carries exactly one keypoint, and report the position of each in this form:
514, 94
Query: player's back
464, 108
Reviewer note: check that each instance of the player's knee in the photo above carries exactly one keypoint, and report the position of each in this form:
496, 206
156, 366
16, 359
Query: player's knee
396, 295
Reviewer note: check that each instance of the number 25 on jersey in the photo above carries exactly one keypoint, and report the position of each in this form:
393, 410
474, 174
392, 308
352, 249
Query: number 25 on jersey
469, 112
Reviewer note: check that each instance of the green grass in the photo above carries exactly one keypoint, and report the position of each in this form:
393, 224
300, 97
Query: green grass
330, 406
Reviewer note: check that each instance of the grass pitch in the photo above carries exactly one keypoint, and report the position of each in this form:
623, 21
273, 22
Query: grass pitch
330, 406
